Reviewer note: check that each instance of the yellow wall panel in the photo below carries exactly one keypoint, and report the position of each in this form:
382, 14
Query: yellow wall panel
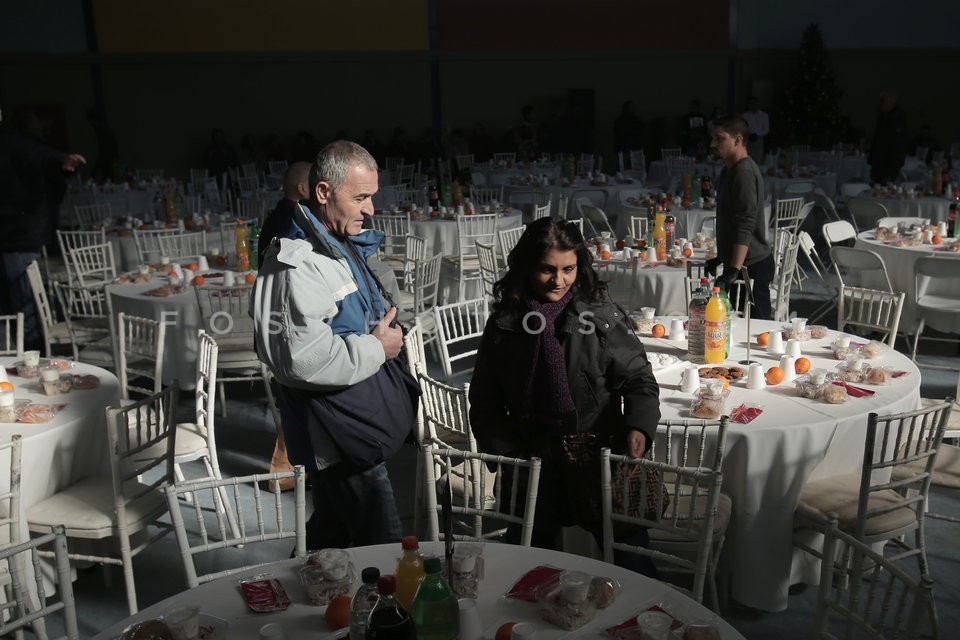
170, 26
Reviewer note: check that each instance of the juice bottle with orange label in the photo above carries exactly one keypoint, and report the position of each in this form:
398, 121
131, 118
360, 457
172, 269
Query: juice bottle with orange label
660, 236
715, 329
409, 571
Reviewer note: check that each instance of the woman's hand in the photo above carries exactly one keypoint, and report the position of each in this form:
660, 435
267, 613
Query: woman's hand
636, 443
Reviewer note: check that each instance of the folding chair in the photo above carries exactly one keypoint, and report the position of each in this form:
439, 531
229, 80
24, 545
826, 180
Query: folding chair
514, 496
120, 508
459, 328
489, 272
936, 297
595, 218
12, 336
870, 310
93, 264
688, 520
866, 211
883, 602
271, 521
851, 265
508, 240
470, 230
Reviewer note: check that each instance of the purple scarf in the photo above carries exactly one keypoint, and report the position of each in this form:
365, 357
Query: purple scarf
548, 400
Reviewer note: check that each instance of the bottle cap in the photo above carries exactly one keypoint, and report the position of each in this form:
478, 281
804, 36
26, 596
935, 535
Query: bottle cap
410, 543
370, 575
432, 565
716, 289
387, 584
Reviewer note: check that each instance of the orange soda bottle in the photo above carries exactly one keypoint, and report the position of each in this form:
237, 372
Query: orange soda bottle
409, 572
715, 329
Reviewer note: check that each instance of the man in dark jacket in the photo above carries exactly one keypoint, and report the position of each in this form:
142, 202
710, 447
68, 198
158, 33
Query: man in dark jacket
24, 222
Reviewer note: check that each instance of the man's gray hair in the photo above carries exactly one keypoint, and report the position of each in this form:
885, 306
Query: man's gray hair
334, 162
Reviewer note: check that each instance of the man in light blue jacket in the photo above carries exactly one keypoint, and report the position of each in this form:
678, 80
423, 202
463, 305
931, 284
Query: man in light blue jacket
322, 324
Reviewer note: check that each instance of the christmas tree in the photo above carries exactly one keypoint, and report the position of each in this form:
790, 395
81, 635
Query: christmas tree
809, 107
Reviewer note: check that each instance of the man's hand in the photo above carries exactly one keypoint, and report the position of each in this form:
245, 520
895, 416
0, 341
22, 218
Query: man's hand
636, 443
391, 338
727, 278
710, 267
72, 161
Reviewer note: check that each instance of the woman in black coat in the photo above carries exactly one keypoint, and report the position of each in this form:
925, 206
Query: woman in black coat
559, 375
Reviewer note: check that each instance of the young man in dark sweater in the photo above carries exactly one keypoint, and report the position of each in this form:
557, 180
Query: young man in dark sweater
741, 224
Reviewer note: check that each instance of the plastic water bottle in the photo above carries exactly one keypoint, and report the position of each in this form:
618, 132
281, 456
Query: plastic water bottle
364, 600
409, 571
695, 326
726, 302
254, 242
435, 611
388, 619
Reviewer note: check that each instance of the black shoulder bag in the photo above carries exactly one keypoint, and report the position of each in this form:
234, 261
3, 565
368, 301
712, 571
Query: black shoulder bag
369, 421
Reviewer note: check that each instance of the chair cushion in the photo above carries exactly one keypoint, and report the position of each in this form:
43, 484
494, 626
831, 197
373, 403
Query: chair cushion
841, 494
191, 441
946, 470
87, 510
724, 508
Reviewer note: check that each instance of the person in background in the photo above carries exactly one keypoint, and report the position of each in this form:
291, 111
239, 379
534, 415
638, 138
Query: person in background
693, 130
323, 325
106, 166
54, 178
559, 375
24, 220
219, 156
627, 130
759, 123
888, 148
741, 224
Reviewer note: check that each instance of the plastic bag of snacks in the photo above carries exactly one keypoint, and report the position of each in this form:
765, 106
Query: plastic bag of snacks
327, 574
710, 400
812, 383
660, 622
576, 598
467, 569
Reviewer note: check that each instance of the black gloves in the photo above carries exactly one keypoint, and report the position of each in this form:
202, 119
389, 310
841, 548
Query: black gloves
725, 280
710, 267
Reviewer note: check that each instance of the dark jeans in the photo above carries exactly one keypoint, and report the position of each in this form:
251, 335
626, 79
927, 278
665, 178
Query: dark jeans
18, 296
762, 274
352, 508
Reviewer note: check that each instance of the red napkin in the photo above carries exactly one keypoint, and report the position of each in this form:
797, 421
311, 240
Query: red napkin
536, 583
744, 414
630, 627
856, 392
897, 374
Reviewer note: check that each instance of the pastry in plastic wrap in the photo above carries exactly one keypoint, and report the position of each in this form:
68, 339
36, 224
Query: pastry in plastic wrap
853, 370
557, 610
873, 349
834, 394
603, 591
818, 331
37, 414
878, 375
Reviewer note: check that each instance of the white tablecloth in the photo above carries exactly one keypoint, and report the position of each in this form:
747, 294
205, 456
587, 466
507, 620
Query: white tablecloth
180, 312
660, 174
70, 447
900, 263
440, 236
125, 248
775, 185
768, 461
936, 208
503, 565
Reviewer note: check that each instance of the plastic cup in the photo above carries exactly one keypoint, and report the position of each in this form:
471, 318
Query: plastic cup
654, 625
31, 358
229, 279
183, 622
755, 377
523, 631
676, 330
471, 628
775, 344
272, 631
647, 313
574, 586
690, 380
793, 348
651, 254
789, 369
202, 264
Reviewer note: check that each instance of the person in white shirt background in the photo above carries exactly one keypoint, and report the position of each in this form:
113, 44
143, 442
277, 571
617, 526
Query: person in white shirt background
759, 123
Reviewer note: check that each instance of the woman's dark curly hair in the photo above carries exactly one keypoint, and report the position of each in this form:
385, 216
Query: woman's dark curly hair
511, 291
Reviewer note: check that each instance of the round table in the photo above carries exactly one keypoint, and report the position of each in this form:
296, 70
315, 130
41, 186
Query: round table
934, 208
900, 263
768, 461
503, 565
70, 447
181, 314
775, 185
441, 236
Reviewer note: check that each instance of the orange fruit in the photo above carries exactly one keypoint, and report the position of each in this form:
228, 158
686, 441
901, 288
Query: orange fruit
658, 331
936, 239
249, 278
6, 386
802, 365
504, 631
193, 266
606, 255
774, 375
687, 252
171, 273
763, 339
198, 280
338, 613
